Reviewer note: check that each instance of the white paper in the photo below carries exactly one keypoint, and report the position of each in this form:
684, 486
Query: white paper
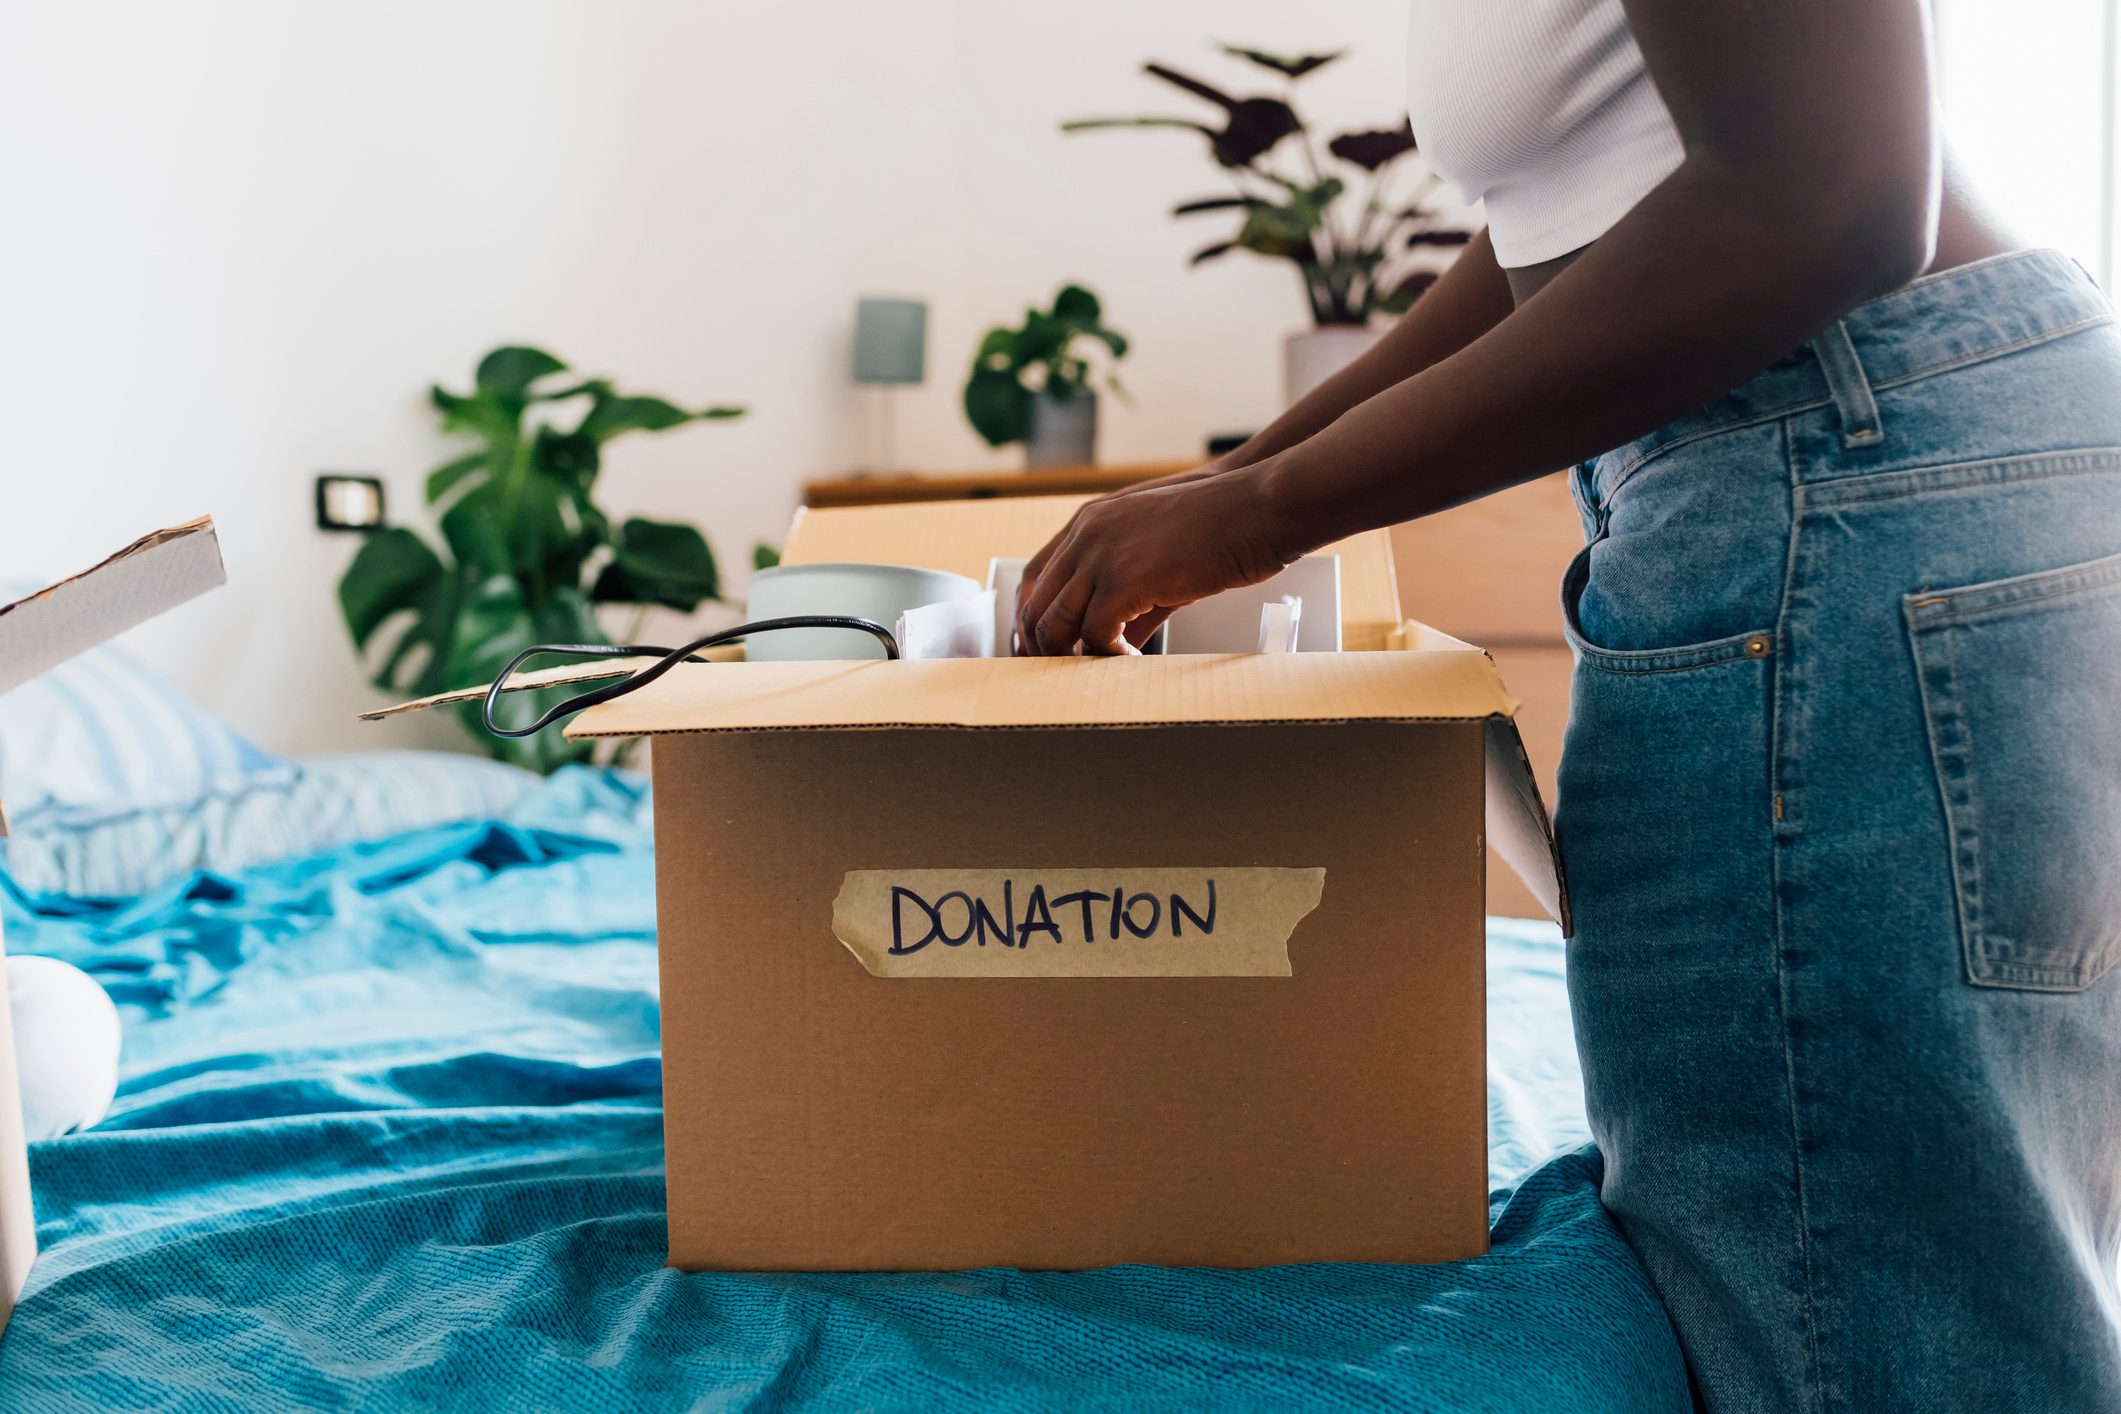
1229, 622
955, 628
1004, 578
1279, 624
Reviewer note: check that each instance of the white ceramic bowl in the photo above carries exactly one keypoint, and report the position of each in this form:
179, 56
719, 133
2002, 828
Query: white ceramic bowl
879, 593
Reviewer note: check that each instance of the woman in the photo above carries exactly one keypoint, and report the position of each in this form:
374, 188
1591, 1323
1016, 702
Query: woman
1841, 799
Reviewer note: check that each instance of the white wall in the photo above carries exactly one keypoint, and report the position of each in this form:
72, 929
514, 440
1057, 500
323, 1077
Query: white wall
241, 236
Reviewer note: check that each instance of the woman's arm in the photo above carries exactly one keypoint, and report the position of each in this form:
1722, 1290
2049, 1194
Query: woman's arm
1470, 298
1809, 185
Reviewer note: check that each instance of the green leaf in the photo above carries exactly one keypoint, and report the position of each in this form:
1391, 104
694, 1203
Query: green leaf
443, 479
573, 390
1290, 66
393, 571
481, 414
1283, 232
1042, 337
570, 458
656, 562
476, 531
1091, 125
1215, 203
1076, 305
508, 372
764, 556
612, 414
998, 406
998, 344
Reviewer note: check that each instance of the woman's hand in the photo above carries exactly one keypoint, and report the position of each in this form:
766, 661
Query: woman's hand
1126, 562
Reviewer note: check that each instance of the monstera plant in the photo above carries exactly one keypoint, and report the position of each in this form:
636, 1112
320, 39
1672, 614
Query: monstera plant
1341, 213
525, 554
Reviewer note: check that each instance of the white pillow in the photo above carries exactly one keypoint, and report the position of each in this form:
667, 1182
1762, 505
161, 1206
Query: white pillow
104, 736
318, 804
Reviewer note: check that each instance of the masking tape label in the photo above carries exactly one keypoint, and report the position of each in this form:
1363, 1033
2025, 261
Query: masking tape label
1189, 922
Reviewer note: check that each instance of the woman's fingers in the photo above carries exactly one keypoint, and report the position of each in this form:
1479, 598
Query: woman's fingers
1104, 625
1032, 597
1060, 626
1140, 630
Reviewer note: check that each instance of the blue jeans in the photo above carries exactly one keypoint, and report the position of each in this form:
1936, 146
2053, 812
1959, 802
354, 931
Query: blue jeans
1841, 816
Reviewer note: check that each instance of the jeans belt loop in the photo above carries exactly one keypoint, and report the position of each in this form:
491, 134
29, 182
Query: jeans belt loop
1851, 389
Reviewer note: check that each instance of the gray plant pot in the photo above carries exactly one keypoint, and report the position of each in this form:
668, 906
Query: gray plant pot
1062, 433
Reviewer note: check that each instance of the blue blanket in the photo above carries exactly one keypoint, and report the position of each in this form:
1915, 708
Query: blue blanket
390, 1138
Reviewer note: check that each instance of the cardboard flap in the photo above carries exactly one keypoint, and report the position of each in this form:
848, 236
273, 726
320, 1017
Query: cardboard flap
962, 536
1518, 825
566, 675
40, 631
1000, 693
154, 573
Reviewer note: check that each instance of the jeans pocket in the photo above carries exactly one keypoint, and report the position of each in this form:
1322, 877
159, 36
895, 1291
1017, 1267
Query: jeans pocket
2019, 681
1645, 660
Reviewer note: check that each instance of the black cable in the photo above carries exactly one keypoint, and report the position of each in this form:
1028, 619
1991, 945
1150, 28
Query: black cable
669, 658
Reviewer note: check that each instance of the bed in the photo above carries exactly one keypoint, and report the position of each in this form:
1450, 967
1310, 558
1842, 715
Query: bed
389, 1137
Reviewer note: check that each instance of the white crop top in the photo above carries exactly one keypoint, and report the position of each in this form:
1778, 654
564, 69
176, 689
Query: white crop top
1544, 110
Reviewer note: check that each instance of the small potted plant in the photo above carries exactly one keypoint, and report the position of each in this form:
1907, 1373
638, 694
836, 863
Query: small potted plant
1031, 384
1340, 214
526, 555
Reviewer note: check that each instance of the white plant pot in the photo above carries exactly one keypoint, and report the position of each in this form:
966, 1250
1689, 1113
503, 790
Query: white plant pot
1062, 433
1310, 358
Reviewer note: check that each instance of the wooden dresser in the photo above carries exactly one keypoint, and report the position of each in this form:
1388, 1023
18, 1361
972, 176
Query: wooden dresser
1489, 573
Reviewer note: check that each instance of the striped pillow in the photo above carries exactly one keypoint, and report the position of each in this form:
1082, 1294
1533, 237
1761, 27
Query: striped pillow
104, 736
324, 803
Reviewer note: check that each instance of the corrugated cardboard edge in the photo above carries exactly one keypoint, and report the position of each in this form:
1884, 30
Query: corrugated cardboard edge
153, 539
18, 1223
1075, 694
155, 573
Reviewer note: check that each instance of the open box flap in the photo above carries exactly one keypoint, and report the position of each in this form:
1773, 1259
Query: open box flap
1089, 693
567, 675
1519, 827
40, 631
1518, 824
962, 536
156, 572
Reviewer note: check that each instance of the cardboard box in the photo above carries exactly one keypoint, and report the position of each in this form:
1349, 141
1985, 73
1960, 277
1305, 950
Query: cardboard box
37, 634
1490, 571
1060, 963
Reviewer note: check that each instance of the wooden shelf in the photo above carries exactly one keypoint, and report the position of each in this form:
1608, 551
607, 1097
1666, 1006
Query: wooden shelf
983, 485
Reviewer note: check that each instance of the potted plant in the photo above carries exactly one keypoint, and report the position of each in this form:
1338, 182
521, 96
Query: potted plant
1341, 214
526, 554
1031, 384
